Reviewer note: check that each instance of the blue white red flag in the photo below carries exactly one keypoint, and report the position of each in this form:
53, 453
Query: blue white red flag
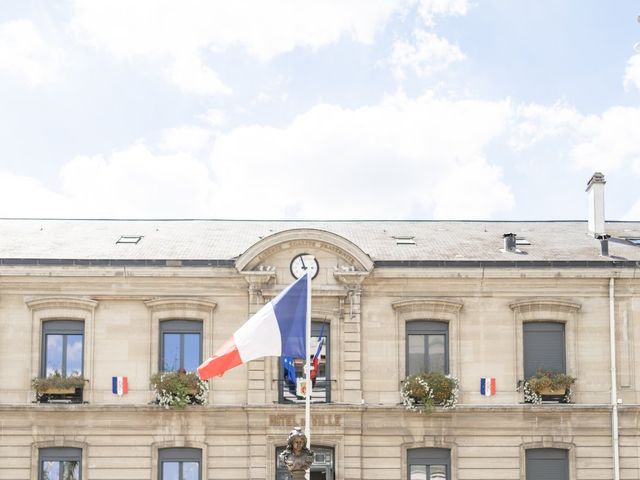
316, 357
119, 385
487, 386
277, 330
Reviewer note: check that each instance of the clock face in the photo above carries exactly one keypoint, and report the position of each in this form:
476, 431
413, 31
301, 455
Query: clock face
304, 263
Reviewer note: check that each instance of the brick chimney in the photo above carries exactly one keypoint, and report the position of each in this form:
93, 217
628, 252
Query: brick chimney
595, 193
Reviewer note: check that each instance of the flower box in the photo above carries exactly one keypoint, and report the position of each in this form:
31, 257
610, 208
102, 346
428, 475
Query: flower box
60, 389
553, 392
427, 390
547, 386
179, 389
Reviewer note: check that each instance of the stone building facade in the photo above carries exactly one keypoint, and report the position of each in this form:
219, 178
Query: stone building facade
110, 289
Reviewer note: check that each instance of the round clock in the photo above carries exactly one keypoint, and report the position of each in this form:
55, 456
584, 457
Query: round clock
304, 263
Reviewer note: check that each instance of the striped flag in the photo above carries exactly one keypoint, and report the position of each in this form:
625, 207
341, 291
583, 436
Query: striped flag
487, 386
277, 330
119, 385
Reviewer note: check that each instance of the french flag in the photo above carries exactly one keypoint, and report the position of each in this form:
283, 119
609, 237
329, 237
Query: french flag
119, 385
316, 358
487, 386
277, 330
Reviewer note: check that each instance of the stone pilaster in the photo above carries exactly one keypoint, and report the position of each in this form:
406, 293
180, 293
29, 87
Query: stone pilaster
259, 388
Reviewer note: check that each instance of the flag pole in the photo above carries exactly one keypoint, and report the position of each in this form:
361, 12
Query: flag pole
307, 404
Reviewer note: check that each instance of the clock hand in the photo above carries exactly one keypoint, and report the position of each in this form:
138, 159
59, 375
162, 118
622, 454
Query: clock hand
304, 267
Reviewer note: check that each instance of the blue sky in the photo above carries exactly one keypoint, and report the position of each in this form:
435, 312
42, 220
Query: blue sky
395, 109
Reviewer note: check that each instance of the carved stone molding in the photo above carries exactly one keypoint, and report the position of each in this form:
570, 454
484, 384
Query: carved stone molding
431, 307
258, 279
73, 303
536, 306
180, 303
351, 279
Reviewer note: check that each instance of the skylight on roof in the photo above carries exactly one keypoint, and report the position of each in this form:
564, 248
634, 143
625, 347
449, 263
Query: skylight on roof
405, 240
522, 241
635, 241
133, 239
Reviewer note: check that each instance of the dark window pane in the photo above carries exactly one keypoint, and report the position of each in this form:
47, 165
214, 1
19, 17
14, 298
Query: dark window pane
190, 471
170, 471
437, 472
191, 351
436, 361
74, 355
417, 354
54, 355
50, 470
418, 472
70, 470
171, 352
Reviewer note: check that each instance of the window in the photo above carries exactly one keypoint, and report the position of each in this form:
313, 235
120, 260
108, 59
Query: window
62, 347
323, 467
544, 347
427, 347
428, 464
180, 345
543, 463
60, 464
291, 369
179, 464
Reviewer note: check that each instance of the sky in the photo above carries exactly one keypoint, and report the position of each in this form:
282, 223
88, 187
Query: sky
325, 109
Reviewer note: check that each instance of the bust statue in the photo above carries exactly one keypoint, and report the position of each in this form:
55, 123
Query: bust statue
297, 457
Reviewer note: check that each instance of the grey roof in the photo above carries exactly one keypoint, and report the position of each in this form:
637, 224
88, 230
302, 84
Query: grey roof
222, 241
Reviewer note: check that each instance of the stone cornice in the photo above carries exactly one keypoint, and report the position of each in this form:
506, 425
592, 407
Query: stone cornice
545, 304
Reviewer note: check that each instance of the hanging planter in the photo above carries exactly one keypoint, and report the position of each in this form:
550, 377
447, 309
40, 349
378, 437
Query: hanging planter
58, 387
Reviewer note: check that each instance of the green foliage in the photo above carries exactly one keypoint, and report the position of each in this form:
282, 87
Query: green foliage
428, 390
179, 389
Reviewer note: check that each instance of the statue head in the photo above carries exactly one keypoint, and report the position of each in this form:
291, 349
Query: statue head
297, 441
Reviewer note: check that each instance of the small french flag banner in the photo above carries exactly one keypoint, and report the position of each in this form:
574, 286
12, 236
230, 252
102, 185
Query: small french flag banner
119, 385
487, 386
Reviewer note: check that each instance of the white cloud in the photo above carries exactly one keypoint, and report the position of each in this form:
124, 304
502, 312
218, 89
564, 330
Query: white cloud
632, 73
27, 55
428, 9
264, 29
213, 117
633, 214
397, 159
191, 75
340, 163
187, 138
425, 54
534, 123
609, 141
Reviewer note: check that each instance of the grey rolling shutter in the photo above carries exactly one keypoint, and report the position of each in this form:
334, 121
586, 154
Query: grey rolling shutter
547, 464
543, 347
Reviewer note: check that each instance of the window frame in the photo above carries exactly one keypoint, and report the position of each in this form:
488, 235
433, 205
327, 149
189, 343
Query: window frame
558, 328
180, 455
316, 329
64, 328
429, 456
426, 328
59, 454
180, 326
542, 452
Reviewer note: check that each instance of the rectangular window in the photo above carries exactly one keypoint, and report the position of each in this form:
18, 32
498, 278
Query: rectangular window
544, 463
427, 347
429, 464
544, 347
62, 351
179, 463
292, 369
180, 345
60, 464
